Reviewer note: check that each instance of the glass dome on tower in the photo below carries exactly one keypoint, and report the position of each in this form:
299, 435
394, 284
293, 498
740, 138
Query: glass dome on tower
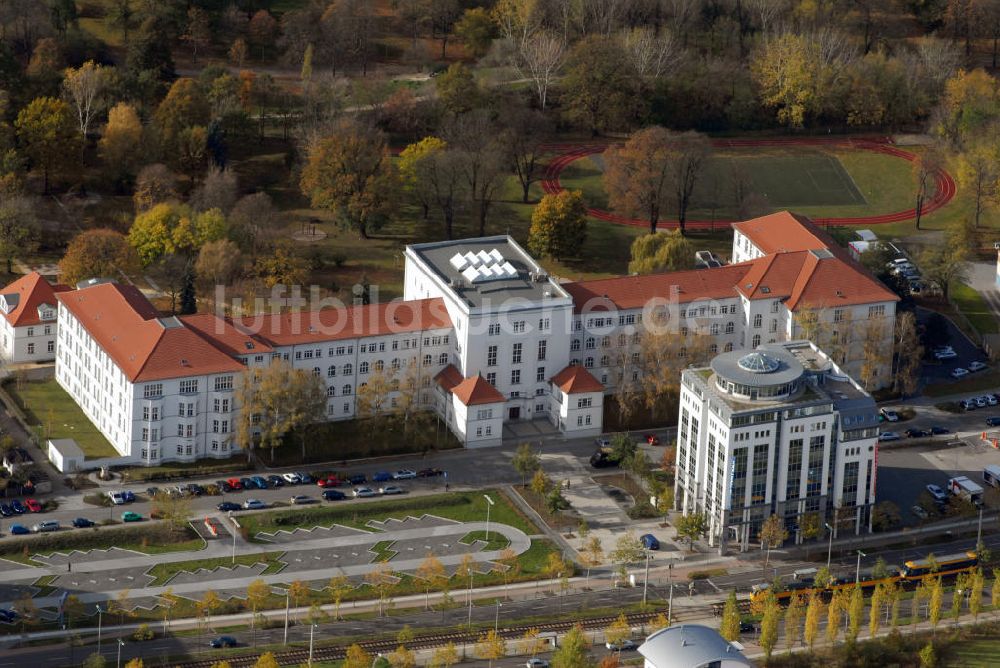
758, 362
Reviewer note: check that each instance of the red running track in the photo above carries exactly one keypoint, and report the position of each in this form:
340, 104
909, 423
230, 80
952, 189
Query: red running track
944, 183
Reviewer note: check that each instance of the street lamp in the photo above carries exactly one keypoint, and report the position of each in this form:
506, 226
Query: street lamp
99, 613
645, 579
490, 502
121, 643
829, 547
311, 629
496, 620
979, 531
670, 601
375, 659
857, 574
288, 593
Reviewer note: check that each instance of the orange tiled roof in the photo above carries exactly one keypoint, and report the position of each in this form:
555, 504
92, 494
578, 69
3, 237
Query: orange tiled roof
449, 377
224, 334
32, 291
145, 346
331, 324
576, 380
784, 231
476, 390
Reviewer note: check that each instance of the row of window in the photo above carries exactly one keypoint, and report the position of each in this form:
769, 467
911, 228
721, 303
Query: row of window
516, 353
46, 330
50, 347
153, 390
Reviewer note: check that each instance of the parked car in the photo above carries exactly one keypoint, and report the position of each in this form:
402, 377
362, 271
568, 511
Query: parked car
82, 523
6, 510
18, 507
129, 516
223, 485
195, 489
229, 506
919, 512
333, 495
959, 372
46, 526
254, 504
33, 505
977, 366
649, 541
259, 481
381, 476
888, 436
891, 416
939, 494
301, 499
116, 498
276, 480
222, 641
292, 478
404, 474
652, 439
429, 473
991, 400
152, 491
305, 478
981, 402
19, 530
8, 616
622, 646
358, 479
603, 442
993, 421
945, 354
391, 490
748, 627
937, 430
916, 433
128, 495
234, 484
329, 481
247, 483
364, 492
537, 663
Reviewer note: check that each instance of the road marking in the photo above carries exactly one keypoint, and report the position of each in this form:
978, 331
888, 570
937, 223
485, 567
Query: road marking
717, 590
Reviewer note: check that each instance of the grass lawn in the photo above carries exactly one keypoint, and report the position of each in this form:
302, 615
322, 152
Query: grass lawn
971, 383
148, 539
163, 572
980, 653
495, 540
459, 506
49, 408
974, 307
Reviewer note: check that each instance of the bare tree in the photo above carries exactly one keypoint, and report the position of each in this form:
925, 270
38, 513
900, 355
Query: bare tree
540, 57
649, 51
85, 88
683, 13
767, 12
473, 137
524, 137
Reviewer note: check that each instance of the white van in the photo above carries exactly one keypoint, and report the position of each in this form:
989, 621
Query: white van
991, 475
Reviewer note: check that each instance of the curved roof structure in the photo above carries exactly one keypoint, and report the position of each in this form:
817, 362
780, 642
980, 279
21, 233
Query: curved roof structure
691, 646
758, 368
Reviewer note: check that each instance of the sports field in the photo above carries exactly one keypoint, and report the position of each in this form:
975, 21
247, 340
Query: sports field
813, 181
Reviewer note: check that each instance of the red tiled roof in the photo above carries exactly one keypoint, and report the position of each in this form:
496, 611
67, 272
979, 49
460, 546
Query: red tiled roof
632, 292
448, 377
784, 231
330, 324
144, 346
476, 390
576, 380
225, 335
32, 291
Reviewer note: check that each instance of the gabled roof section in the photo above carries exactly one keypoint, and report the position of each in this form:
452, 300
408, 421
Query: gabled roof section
143, 345
225, 335
449, 377
476, 390
395, 317
24, 296
784, 232
576, 380
634, 292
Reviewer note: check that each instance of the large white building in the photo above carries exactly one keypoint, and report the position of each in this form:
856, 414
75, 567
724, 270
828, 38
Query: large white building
778, 430
484, 332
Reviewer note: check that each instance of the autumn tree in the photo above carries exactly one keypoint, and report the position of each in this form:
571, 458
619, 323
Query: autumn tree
531, 643
970, 104
430, 572
173, 229
525, 461
121, 141
769, 624
947, 262
772, 534
415, 171
908, 354
730, 625
218, 262
457, 89
444, 657
661, 251
339, 586
381, 580
597, 89
357, 657
155, 184
573, 652
85, 87
184, 106
935, 600
49, 136
262, 31
692, 527
208, 604
814, 615
491, 646
475, 28
977, 173
267, 660
524, 136
793, 621
559, 225
257, 594
618, 631
174, 510
350, 173
19, 229
95, 254
199, 31
653, 169
924, 171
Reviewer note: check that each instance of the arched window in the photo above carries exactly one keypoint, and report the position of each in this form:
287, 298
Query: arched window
363, 368
729, 327
331, 371
715, 328
331, 391
443, 358
590, 343
395, 364
728, 348
588, 363
348, 369
347, 391
379, 366
428, 360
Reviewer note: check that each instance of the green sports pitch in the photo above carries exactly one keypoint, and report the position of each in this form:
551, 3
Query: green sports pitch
784, 179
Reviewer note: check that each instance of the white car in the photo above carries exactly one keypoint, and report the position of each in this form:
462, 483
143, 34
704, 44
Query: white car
977, 366
404, 474
981, 402
939, 494
364, 492
991, 400
254, 504
291, 478
969, 404
301, 499
889, 436
390, 490
537, 663
959, 373
117, 498
945, 354
891, 416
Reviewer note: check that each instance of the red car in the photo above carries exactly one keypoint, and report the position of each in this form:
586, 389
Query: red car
652, 439
329, 481
235, 483
33, 505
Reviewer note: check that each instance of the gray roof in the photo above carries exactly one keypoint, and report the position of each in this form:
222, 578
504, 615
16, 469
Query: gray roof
760, 368
67, 447
488, 271
691, 646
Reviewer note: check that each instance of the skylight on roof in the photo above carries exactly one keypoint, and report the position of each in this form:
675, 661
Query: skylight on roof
483, 266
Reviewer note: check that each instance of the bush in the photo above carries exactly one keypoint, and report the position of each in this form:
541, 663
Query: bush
99, 499
642, 511
143, 633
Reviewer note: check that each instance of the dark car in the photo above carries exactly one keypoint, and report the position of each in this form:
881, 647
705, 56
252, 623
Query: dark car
333, 495
429, 473
223, 486
229, 506
222, 641
916, 433
602, 459
195, 489
275, 480
381, 476
306, 479
992, 421
358, 479
247, 483
6, 510
7, 616
152, 491
748, 627
82, 523
259, 481
19, 530
18, 507
936, 430
650, 542
128, 497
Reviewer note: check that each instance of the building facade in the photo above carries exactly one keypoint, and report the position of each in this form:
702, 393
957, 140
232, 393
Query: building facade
483, 332
28, 327
778, 430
